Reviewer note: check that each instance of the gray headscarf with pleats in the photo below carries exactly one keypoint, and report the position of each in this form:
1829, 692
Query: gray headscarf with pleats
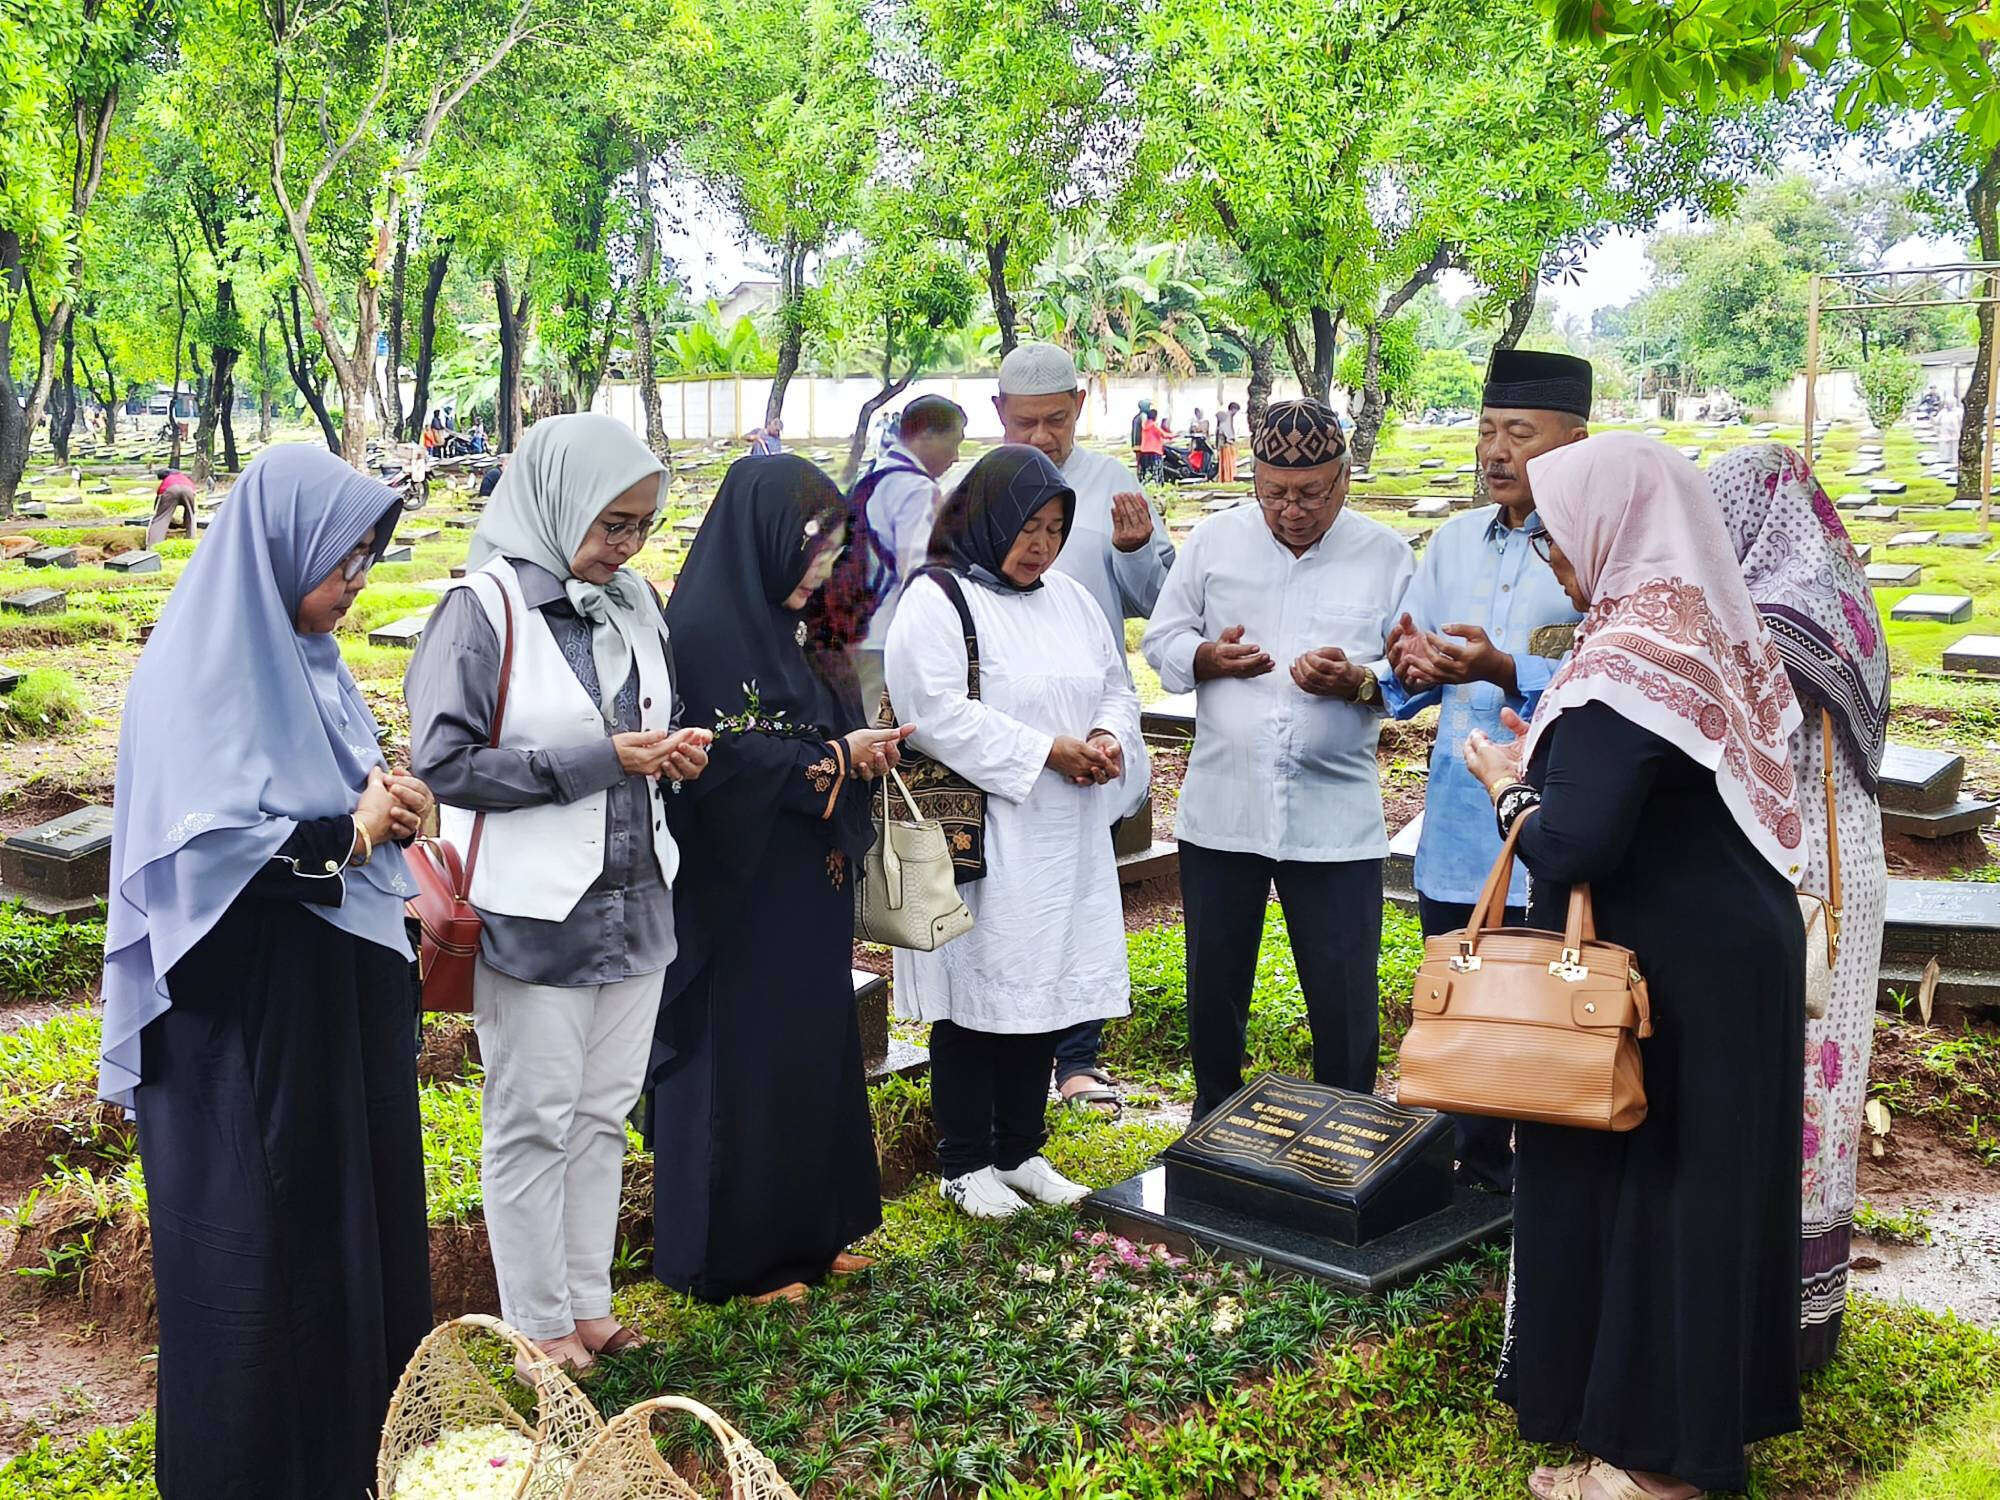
557, 483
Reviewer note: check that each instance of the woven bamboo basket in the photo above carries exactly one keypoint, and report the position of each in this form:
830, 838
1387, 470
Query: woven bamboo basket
443, 1390
624, 1462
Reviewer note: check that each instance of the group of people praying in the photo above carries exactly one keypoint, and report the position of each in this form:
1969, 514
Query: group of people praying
672, 800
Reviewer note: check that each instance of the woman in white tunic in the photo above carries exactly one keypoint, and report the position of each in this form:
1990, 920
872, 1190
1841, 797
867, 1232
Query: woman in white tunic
1052, 738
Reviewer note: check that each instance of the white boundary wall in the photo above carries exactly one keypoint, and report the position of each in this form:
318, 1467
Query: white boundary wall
825, 409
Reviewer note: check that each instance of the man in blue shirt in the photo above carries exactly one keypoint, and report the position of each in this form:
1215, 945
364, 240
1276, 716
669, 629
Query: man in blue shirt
1484, 627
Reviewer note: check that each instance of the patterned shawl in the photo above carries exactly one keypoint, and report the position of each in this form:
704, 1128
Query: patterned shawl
1809, 586
1672, 640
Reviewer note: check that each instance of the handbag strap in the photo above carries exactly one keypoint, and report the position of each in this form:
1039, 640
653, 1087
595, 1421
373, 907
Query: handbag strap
1489, 911
1832, 813
948, 581
492, 739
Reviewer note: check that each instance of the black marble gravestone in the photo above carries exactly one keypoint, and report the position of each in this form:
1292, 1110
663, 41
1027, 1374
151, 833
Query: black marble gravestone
1343, 1186
61, 866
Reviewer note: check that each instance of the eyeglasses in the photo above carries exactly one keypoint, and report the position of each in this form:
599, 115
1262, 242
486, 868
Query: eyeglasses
1310, 501
1544, 545
356, 562
617, 531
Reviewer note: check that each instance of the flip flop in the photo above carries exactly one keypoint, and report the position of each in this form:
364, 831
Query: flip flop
1613, 1483
1101, 1096
847, 1263
795, 1292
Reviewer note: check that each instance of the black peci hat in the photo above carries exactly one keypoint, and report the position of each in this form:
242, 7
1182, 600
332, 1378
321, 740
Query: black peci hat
1538, 381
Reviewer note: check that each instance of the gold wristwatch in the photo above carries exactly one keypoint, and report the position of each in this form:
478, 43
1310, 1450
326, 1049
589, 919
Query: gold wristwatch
1370, 690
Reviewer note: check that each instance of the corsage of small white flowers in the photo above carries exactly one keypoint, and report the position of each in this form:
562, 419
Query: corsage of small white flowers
473, 1463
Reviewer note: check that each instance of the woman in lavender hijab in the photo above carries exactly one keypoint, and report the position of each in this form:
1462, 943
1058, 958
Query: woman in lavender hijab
259, 1012
1809, 586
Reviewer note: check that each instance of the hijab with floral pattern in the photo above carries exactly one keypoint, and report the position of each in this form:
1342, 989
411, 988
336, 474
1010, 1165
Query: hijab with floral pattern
1808, 584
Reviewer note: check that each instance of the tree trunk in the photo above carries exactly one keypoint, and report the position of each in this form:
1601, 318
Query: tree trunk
1368, 421
221, 384
1519, 311
392, 395
791, 313
420, 399
858, 444
174, 395
645, 363
512, 315
62, 412
305, 375
110, 387
1263, 375
1983, 198
231, 459
264, 382
1004, 311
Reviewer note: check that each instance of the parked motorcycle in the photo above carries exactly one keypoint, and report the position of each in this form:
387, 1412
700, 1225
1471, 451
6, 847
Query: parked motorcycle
1183, 465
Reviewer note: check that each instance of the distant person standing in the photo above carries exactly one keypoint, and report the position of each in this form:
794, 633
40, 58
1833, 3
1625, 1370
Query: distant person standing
1198, 427
1153, 435
900, 499
176, 492
1138, 434
1225, 443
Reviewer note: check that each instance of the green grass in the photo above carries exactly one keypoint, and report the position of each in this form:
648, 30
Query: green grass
49, 1069
1956, 1460
108, 1464
45, 703
71, 627
43, 960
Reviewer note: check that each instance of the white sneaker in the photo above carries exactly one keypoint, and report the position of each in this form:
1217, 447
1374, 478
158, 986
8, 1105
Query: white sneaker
1035, 1179
983, 1195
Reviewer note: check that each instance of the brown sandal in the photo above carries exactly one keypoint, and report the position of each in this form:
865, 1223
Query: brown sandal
795, 1292
847, 1263
1613, 1483
619, 1342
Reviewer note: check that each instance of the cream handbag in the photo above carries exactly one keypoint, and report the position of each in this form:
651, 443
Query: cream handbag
1821, 916
908, 897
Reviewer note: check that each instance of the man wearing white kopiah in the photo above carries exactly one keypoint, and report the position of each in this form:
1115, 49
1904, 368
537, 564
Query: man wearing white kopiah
1117, 547
1277, 616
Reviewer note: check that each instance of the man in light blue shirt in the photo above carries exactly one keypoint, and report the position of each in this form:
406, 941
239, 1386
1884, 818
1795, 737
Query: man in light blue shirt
1484, 627
901, 504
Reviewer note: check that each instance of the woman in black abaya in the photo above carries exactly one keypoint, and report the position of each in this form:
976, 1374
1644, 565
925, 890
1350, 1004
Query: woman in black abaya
764, 1164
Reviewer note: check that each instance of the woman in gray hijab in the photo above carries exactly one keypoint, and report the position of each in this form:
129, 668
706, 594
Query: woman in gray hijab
575, 860
258, 1005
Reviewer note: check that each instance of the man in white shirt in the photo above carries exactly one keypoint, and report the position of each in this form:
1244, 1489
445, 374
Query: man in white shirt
1117, 548
1277, 616
902, 502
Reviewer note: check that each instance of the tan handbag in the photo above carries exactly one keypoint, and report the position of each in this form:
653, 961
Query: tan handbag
1521, 1024
908, 897
1821, 915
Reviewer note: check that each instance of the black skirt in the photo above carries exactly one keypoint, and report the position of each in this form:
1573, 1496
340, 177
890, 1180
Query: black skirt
1654, 1306
284, 1168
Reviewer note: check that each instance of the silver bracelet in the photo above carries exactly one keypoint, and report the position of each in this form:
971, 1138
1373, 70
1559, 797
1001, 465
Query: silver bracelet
1515, 800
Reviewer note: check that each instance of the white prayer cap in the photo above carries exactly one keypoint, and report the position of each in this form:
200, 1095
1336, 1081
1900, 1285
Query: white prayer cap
1038, 370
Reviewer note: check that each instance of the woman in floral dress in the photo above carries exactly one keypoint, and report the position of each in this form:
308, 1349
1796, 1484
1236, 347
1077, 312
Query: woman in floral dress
1808, 585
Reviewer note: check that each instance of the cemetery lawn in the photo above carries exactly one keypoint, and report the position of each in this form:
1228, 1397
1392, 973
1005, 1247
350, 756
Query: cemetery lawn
1031, 1359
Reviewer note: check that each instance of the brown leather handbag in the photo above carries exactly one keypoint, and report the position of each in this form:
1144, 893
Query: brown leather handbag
448, 923
1521, 1024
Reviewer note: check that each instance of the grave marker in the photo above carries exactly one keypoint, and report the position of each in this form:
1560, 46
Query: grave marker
61, 866
1878, 513
1913, 539
9, 680
35, 602
1966, 539
1974, 655
1934, 609
396, 554
1893, 575
1430, 510
51, 557
1887, 486
134, 562
404, 632
418, 536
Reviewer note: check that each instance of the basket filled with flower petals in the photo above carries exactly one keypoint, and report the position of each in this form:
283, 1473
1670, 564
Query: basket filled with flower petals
452, 1433
625, 1463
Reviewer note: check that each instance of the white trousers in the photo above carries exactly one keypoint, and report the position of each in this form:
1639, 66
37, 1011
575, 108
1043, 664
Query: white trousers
563, 1070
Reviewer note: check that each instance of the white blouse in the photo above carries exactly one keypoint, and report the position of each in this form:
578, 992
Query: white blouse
1047, 947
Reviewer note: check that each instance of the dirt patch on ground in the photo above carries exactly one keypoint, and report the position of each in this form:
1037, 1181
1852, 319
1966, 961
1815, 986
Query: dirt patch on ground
450, 1048
62, 1374
1918, 1161
1934, 859
33, 807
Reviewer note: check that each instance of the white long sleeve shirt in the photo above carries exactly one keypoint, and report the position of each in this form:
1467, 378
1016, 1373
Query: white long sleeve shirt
1122, 583
1276, 770
1047, 947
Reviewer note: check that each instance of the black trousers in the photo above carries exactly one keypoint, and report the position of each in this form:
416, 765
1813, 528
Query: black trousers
1485, 1145
989, 1096
1077, 1049
1334, 913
